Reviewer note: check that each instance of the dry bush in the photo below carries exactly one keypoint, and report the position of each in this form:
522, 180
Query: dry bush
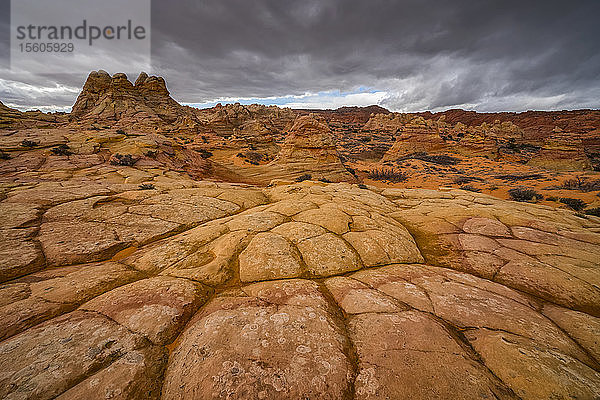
574, 204
524, 194
390, 175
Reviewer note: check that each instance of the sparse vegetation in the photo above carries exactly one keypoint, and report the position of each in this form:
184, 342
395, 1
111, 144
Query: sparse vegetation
151, 153
4, 155
252, 157
61, 150
204, 153
123, 160
28, 143
463, 179
470, 188
304, 177
362, 186
574, 204
147, 186
385, 174
582, 184
512, 147
520, 177
525, 194
439, 159
121, 132
365, 139
593, 211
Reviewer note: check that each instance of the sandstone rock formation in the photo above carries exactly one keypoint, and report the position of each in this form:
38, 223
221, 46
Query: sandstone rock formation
309, 148
511, 138
145, 104
133, 267
304, 290
11, 118
225, 119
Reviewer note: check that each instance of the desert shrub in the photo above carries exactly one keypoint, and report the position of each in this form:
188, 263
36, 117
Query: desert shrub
124, 160
304, 177
513, 147
121, 132
519, 177
61, 150
593, 211
582, 184
4, 155
205, 139
362, 186
470, 188
204, 153
151, 153
439, 159
253, 157
28, 143
147, 186
574, 204
385, 174
463, 179
524, 194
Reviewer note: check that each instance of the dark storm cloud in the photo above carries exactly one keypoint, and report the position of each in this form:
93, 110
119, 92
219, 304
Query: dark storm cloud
480, 54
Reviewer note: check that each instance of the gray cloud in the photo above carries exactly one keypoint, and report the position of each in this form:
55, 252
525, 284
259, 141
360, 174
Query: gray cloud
478, 54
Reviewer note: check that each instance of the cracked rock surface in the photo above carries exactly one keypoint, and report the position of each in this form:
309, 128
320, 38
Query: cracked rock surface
199, 290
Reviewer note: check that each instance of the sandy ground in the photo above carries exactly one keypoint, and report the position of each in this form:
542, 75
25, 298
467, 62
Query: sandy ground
485, 175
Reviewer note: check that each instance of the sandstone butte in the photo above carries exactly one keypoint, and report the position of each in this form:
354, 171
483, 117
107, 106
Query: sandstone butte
142, 257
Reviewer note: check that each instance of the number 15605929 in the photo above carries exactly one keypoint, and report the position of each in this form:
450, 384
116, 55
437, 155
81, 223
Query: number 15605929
46, 47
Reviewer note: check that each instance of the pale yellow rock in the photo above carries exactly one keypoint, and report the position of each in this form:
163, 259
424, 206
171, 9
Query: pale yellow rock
327, 255
534, 372
269, 256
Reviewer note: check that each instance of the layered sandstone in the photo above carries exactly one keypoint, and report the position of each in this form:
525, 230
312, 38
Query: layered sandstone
512, 139
11, 118
304, 290
146, 104
309, 148
130, 269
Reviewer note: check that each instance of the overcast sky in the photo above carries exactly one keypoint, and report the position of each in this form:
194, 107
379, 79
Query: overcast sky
404, 55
